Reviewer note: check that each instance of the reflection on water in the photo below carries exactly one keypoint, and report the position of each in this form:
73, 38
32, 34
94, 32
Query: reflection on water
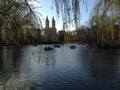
32, 68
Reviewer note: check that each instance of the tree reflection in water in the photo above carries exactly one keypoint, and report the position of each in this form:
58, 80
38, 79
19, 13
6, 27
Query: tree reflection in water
12, 79
31, 68
103, 67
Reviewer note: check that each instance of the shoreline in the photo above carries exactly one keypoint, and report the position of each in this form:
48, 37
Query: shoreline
45, 43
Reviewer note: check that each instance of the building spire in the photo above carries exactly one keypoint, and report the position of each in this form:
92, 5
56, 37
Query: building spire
47, 22
53, 22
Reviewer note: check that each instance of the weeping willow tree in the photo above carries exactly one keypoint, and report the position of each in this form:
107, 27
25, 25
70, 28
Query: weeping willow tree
70, 10
17, 21
106, 18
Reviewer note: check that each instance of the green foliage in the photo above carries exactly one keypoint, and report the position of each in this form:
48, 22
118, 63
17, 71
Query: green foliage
106, 16
16, 21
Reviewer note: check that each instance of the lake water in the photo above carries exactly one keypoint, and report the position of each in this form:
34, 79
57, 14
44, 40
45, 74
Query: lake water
83, 68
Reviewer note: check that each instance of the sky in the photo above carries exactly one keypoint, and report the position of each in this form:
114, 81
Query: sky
47, 9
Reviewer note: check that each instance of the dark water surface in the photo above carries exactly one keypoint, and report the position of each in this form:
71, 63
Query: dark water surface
32, 68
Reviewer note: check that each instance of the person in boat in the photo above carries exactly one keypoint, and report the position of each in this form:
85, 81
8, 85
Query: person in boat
72, 47
48, 48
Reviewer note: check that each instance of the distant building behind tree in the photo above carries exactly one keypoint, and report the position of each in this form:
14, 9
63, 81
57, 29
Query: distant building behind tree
49, 34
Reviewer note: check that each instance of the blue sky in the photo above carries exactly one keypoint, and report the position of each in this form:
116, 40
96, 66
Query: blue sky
47, 10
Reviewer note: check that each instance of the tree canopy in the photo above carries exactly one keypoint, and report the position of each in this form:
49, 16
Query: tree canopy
16, 16
70, 10
106, 17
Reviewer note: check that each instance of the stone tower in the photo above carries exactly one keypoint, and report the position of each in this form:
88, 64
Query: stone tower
53, 22
47, 23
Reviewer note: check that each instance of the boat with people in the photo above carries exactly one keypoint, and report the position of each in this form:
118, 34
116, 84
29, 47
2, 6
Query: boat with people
57, 46
47, 48
72, 47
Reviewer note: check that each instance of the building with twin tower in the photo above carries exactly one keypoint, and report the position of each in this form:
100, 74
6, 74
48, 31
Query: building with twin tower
49, 33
